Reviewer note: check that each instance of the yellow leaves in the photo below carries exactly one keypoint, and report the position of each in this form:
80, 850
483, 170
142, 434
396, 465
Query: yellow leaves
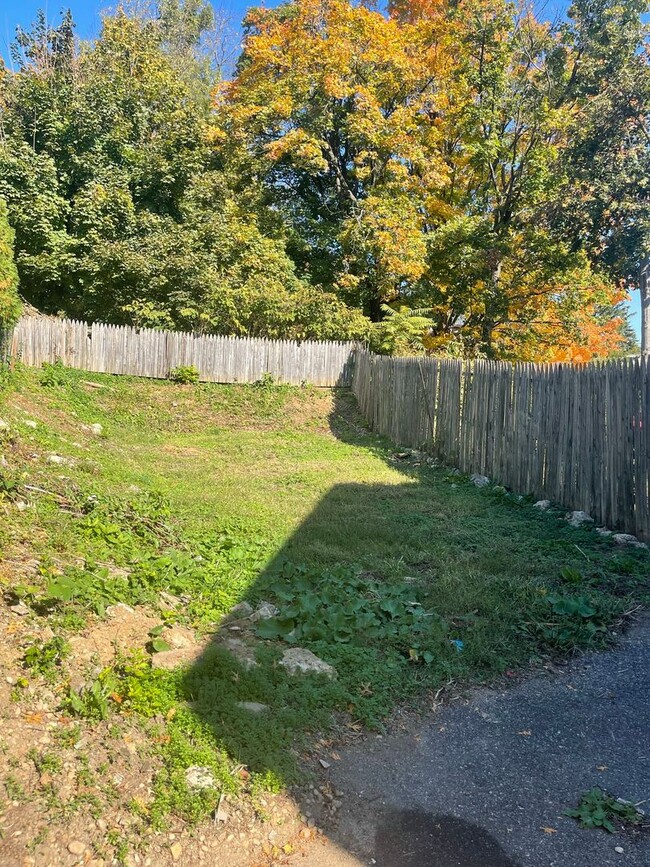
301, 148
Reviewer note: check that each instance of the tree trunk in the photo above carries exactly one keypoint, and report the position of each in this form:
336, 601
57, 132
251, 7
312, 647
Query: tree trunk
644, 286
491, 306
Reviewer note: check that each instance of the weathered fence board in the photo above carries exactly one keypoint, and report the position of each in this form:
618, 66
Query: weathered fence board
579, 435
145, 352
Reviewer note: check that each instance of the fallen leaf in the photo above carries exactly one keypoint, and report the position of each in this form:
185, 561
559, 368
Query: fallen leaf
33, 718
601, 767
526, 733
549, 830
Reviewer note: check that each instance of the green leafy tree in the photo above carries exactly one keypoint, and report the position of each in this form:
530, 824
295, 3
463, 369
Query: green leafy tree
402, 331
9, 301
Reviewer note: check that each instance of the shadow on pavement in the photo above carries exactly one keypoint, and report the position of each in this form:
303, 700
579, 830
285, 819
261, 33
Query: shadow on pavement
410, 838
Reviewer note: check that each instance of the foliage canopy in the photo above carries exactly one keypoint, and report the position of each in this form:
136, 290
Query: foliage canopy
460, 157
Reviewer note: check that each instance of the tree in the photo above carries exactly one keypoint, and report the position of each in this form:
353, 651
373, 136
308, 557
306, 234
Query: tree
335, 106
122, 211
421, 159
9, 301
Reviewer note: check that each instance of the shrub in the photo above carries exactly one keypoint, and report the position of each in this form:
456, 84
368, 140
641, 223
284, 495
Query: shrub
184, 375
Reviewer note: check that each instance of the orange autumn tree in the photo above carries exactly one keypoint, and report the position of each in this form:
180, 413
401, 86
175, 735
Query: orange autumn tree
340, 108
419, 159
506, 280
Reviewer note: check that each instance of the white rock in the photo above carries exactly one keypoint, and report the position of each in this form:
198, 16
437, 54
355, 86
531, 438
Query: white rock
253, 706
21, 505
119, 609
300, 660
579, 519
479, 480
264, 611
96, 429
3, 425
619, 849
542, 505
199, 777
56, 459
19, 608
603, 531
628, 539
29, 423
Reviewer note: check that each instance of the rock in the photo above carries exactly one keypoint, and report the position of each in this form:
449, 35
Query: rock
180, 656
21, 505
179, 637
253, 706
168, 601
120, 609
479, 480
19, 608
579, 519
199, 777
619, 850
244, 654
175, 850
628, 539
264, 611
29, 423
76, 847
240, 611
56, 459
603, 531
542, 505
300, 660
3, 425
96, 429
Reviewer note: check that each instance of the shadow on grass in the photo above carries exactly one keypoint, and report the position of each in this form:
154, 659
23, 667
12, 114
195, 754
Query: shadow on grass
398, 594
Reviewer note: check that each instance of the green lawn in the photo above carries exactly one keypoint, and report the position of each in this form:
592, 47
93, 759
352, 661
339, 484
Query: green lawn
400, 574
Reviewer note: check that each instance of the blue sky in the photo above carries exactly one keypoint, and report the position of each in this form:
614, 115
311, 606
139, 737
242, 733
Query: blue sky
86, 13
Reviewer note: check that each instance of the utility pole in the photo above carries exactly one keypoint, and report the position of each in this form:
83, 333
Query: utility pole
644, 287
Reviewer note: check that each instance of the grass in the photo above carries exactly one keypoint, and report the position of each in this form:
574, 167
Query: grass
400, 574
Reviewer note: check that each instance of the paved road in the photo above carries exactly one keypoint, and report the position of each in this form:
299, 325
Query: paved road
477, 783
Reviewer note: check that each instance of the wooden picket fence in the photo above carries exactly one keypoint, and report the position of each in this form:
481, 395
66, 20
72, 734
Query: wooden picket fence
145, 352
579, 436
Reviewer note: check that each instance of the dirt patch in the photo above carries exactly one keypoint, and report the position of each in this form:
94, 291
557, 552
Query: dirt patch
74, 791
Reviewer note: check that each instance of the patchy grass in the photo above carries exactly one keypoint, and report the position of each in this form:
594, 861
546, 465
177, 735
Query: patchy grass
399, 573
